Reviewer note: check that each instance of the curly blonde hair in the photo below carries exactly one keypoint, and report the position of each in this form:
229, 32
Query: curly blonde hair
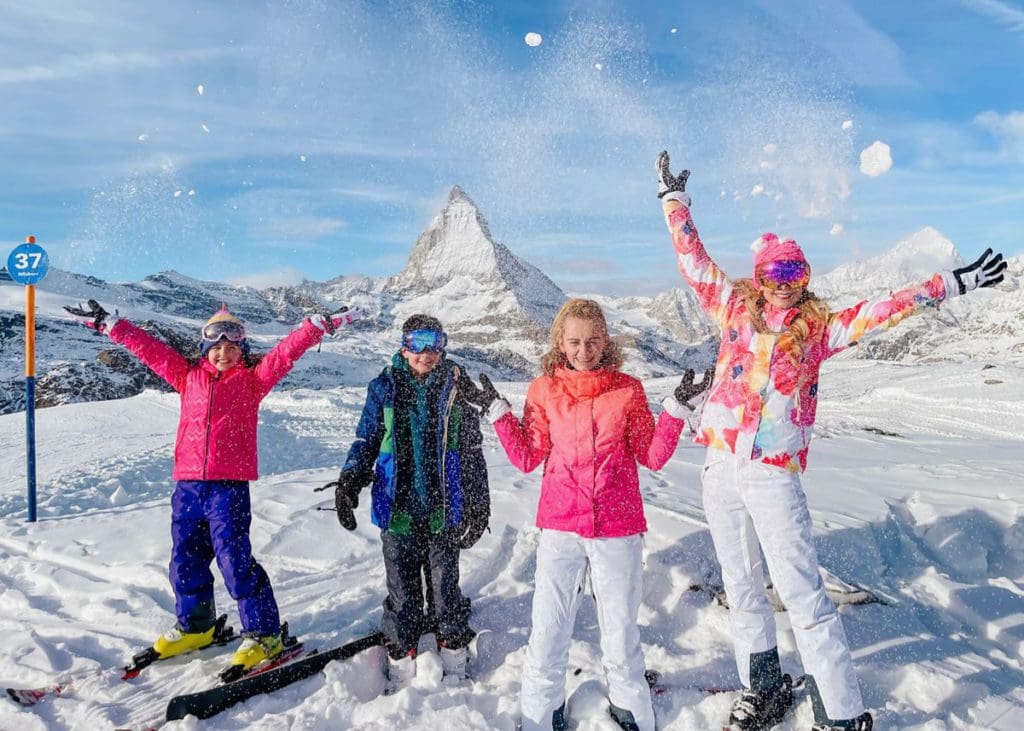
814, 314
582, 309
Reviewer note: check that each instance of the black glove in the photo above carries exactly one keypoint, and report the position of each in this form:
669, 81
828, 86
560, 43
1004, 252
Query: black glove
687, 389
483, 397
346, 498
987, 271
667, 182
473, 525
95, 317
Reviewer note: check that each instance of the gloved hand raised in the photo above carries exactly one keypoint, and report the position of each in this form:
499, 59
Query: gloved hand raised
482, 397
95, 317
687, 389
671, 187
986, 271
688, 396
330, 324
346, 498
474, 523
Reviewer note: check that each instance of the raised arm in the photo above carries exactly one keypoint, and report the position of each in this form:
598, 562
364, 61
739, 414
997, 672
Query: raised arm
869, 318
154, 353
709, 283
282, 357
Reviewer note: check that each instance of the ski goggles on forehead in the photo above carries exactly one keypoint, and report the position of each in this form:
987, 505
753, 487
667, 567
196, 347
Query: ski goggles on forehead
224, 330
420, 340
776, 274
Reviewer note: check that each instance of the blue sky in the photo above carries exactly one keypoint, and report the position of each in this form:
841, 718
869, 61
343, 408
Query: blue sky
265, 142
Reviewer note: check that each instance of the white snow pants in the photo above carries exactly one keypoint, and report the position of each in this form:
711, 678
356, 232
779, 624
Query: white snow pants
616, 574
753, 507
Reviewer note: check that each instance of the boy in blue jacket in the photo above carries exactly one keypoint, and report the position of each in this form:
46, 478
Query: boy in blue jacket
418, 442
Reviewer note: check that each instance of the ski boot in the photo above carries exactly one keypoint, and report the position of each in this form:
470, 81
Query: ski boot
259, 650
758, 710
400, 672
863, 722
176, 640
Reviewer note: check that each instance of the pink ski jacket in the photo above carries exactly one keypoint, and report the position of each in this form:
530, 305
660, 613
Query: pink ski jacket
589, 428
217, 427
761, 404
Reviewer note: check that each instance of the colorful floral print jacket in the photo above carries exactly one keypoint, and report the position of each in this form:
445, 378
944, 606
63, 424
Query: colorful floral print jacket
761, 403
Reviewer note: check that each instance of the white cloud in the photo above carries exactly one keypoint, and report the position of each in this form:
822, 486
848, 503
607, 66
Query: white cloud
274, 278
1002, 12
1007, 128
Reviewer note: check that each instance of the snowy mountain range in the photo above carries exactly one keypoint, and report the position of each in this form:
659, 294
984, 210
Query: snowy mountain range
496, 307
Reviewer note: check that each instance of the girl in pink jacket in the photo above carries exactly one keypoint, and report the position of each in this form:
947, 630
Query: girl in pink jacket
757, 423
214, 460
588, 424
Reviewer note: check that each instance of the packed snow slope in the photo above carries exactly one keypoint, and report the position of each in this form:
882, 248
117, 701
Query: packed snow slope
915, 484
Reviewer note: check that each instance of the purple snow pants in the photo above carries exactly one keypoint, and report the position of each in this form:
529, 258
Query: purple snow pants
210, 519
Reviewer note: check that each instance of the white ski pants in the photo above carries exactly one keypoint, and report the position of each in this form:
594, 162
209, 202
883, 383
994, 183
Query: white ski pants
616, 575
752, 507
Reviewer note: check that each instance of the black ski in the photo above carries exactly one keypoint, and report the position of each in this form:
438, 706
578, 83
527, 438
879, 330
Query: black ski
210, 702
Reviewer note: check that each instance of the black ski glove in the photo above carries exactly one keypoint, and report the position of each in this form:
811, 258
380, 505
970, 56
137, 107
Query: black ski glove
95, 318
986, 271
483, 397
669, 183
473, 525
346, 498
687, 389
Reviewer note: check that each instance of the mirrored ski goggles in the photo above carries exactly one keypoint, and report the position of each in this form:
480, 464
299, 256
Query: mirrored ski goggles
224, 330
777, 274
420, 340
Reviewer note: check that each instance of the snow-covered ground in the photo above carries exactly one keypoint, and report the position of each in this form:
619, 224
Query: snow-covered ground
916, 484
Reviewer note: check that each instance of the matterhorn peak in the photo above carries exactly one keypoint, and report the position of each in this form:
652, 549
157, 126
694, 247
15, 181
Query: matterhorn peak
456, 256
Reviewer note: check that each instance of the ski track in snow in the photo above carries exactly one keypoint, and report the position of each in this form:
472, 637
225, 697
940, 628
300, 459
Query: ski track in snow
915, 484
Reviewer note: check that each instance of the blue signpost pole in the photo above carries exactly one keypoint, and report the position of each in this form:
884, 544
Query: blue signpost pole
27, 264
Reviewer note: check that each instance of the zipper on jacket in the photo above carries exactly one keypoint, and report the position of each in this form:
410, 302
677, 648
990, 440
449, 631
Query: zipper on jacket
209, 425
444, 450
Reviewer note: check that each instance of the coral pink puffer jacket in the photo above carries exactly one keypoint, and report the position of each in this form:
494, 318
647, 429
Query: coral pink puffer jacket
762, 404
590, 428
217, 427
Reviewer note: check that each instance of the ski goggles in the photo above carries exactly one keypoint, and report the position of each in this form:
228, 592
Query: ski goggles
418, 341
778, 274
224, 330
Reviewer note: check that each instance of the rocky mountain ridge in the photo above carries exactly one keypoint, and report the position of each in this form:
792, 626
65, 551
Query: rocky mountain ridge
496, 307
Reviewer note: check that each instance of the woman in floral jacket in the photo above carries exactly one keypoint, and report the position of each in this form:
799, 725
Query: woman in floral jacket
757, 421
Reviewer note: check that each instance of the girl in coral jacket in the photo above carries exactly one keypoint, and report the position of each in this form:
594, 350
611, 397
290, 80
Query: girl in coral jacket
589, 424
214, 460
757, 423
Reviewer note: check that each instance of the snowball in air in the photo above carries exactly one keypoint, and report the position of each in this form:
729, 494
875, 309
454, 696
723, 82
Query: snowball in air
533, 39
205, 128
143, 137
875, 160
837, 228
200, 89
848, 124
675, 30
757, 190
598, 66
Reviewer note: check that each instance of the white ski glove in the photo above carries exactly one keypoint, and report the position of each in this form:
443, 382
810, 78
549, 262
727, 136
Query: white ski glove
986, 271
671, 187
331, 323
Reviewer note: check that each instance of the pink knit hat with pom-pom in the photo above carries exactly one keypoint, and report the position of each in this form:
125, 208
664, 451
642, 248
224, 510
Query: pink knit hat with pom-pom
768, 248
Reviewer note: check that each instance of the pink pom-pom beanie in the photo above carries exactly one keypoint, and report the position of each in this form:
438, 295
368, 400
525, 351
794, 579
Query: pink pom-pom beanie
769, 248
